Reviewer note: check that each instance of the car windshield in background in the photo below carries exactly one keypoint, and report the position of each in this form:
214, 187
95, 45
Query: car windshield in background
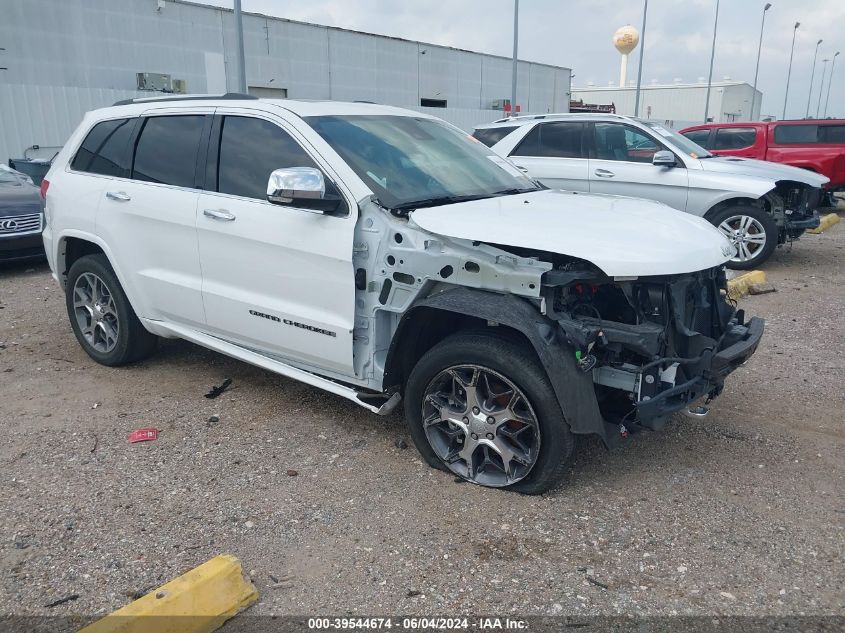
680, 141
411, 163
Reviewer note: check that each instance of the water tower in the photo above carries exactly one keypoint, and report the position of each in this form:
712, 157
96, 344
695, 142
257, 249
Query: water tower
625, 40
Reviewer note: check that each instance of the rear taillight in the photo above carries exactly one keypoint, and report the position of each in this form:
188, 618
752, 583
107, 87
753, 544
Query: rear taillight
45, 184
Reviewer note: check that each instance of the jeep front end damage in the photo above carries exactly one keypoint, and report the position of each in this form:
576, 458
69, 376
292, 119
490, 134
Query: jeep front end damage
654, 345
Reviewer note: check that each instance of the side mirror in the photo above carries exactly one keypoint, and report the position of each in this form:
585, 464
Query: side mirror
664, 158
303, 188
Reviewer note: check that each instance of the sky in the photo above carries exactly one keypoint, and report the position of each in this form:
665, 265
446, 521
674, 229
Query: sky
578, 34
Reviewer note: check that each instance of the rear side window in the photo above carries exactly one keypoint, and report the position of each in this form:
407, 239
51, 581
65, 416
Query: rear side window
250, 149
166, 151
105, 149
699, 137
492, 135
796, 134
735, 137
832, 134
553, 140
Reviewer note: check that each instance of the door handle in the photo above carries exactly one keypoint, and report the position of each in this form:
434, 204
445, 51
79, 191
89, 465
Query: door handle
603, 173
120, 196
219, 214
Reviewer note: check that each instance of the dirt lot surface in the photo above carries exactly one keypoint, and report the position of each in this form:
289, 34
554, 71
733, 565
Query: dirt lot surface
739, 513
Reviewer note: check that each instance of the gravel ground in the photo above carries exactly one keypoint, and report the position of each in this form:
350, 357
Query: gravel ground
741, 513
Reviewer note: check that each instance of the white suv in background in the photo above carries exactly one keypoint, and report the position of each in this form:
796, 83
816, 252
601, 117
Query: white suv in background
756, 204
382, 254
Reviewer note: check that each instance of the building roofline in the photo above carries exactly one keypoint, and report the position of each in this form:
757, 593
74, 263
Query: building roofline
715, 84
386, 37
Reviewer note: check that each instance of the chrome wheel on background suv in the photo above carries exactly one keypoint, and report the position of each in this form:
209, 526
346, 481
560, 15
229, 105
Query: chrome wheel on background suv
746, 234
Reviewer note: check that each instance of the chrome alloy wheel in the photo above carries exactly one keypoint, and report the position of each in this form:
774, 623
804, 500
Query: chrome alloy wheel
93, 306
746, 234
481, 425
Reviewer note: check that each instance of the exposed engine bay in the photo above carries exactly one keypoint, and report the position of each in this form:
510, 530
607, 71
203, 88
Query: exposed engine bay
654, 345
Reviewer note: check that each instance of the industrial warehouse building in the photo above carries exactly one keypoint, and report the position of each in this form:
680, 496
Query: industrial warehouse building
679, 104
64, 57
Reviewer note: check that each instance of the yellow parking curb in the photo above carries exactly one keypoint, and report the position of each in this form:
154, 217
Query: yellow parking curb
738, 286
198, 601
826, 222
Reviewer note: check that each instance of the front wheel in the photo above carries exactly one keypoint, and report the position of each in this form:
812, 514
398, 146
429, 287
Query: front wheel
752, 232
482, 407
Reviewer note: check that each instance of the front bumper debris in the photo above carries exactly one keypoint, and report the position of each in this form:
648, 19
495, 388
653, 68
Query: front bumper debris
804, 222
715, 367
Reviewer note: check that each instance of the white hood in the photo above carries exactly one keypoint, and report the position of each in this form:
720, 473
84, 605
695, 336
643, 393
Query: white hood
762, 169
625, 237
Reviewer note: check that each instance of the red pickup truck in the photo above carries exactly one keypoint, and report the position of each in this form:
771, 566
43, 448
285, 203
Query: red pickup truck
817, 145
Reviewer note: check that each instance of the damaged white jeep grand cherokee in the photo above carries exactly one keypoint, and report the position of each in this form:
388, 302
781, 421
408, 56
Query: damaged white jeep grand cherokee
382, 254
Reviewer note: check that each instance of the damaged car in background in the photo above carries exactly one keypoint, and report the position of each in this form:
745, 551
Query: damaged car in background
758, 205
384, 255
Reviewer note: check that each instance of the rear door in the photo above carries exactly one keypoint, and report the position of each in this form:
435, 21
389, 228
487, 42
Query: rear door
620, 164
149, 218
554, 153
277, 279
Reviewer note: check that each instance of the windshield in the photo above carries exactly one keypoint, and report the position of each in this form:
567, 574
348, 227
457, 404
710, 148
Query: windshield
413, 162
679, 141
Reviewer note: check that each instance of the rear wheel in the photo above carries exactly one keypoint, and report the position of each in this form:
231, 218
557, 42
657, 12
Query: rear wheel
483, 408
752, 232
100, 314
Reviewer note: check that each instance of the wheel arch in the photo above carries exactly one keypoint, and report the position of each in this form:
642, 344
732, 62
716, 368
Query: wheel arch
434, 318
72, 245
730, 202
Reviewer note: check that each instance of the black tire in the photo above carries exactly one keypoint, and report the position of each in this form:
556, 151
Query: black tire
133, 341
770, 229
521, 367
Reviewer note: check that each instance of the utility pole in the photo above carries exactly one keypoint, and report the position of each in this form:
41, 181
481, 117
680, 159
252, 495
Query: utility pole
640, 69
515, 46
239, 28
759, 50
712, 56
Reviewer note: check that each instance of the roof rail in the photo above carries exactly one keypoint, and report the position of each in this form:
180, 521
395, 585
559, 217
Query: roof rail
522, 117
229, 95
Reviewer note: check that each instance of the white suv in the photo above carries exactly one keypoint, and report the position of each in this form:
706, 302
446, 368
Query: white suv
382, 254
756, 204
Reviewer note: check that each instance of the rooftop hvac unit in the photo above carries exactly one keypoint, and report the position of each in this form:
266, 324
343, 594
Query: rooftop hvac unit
180, 86
154, 81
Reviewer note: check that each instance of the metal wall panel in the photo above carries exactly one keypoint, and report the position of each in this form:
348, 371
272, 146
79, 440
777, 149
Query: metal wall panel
31, 116
68, 56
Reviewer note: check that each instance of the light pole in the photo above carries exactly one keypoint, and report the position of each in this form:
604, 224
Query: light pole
515, 44
759, 49
829, 81
789, 72
239, 27
640, 68
812, 76
821, 87
712, 55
